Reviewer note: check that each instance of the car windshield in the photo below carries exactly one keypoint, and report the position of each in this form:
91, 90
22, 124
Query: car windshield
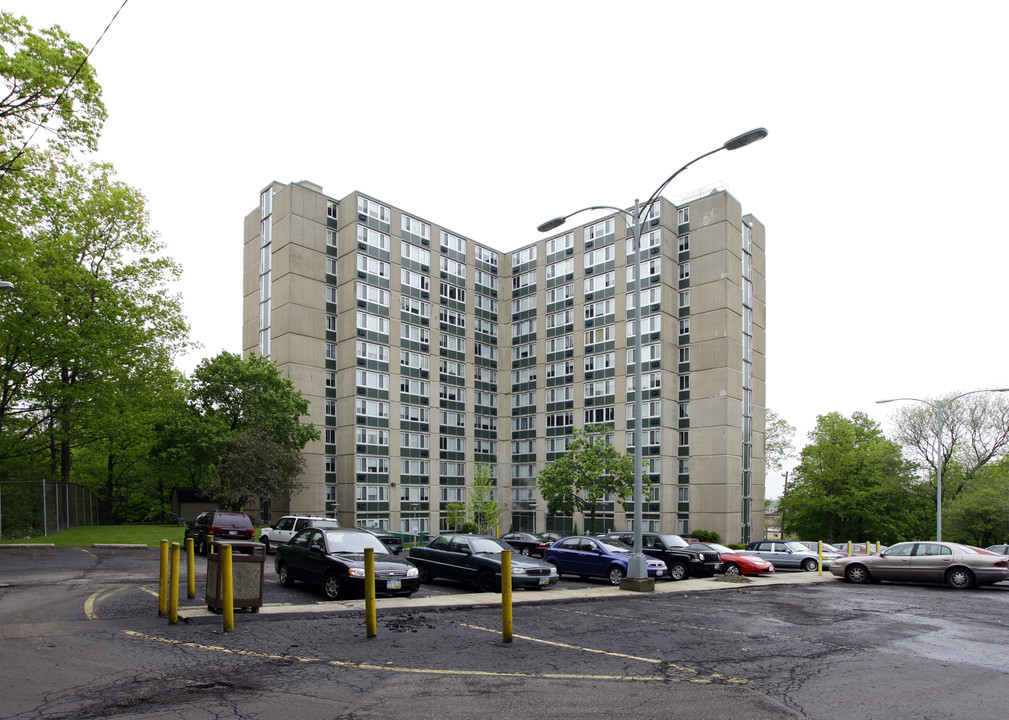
614, 546
353, 542
488, 546
796, 546
674, 541
720, 548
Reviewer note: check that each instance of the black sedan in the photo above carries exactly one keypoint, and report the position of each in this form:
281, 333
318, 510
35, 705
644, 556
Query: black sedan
476, 559
528, 543
334, 559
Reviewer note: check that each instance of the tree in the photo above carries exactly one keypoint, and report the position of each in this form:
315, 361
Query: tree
853, 483
93, 311
243, 436
481, 513
779, 445
979, 515
975, 432
591, 469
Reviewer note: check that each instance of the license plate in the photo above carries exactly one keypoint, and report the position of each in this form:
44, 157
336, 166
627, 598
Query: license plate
393, 584
232, 532
544, 581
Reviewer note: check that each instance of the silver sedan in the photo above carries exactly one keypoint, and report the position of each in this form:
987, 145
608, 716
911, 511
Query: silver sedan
959, 566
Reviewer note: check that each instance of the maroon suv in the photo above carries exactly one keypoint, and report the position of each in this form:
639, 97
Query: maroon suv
219, 525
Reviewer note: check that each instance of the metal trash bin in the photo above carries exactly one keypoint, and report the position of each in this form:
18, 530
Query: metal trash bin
248, 561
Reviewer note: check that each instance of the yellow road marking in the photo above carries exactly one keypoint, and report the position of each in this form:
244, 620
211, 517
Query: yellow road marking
388, 668
89, 605
651, 661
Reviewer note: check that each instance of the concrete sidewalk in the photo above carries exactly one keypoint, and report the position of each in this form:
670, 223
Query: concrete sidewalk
522, 597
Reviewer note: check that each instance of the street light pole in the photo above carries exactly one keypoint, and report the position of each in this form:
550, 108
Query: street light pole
637, 568
937, 407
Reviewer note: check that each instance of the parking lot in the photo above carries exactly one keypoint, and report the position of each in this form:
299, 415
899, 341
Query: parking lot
81, 639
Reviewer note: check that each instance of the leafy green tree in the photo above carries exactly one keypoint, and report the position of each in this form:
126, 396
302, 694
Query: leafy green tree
44, 83
591, 469
853, 483
779, 437
979, 515
93, 311
481, 513
243, 436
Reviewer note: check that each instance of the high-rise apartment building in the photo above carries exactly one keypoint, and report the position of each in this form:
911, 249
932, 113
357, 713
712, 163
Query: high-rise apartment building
424, 353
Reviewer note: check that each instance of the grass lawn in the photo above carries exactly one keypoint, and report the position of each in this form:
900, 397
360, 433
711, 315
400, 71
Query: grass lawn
87, 536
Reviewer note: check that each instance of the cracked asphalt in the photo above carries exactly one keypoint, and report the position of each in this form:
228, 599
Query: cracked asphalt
80, 638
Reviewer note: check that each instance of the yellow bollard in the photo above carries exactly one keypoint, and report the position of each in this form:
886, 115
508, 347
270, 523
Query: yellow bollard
173, 587
849, 548
163, 580
506, 596
819, 556
210, 543
190, 569
371, 621
227, 589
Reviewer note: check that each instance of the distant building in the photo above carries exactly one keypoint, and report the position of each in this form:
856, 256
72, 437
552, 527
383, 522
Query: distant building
423, 353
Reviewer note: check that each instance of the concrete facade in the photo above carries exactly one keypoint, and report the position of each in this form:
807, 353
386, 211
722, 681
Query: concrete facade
423, 353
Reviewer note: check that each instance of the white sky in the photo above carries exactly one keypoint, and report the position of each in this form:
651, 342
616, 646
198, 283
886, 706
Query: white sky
878, 183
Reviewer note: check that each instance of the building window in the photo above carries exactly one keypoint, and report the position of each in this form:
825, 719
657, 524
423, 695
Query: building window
373, 238
452, 242
415, 227
373, 210
522, 257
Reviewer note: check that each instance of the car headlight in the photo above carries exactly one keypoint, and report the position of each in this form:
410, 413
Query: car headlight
519, 571
356, 572
412, 572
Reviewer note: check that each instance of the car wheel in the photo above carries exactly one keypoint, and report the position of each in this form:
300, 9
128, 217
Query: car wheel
266, 541
486, 582
332, 588
856, 574
732, 569
285, 576
959, 578
615, 574
678, 571
810, 564
424, 574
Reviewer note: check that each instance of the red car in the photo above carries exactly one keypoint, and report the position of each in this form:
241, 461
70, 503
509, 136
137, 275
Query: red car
734, 563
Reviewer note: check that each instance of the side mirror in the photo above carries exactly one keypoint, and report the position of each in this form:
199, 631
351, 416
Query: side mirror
317, 549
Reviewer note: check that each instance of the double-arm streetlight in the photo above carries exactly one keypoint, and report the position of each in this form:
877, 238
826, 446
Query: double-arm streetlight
638, 567
937, 406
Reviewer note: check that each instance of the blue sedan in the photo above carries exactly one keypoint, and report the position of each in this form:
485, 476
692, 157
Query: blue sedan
596, 557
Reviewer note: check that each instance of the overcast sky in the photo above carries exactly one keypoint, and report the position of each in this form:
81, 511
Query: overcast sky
879, 183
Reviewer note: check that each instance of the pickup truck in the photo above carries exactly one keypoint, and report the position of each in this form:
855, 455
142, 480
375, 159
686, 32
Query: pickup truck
682, 560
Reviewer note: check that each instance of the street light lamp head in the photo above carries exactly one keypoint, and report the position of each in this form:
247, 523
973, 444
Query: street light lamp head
552, 224
6, 285
745, 139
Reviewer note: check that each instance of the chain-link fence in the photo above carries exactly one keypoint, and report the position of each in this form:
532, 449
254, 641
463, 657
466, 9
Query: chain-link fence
35, 507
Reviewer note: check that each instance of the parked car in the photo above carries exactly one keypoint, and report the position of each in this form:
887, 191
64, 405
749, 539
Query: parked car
476, 559
787, 554
597, 557
218, 525
959, 566
737, 563
288, 526
393, 542
827, 547
552, 536
333, 558
682, 560
859, 548
528, 543
1000, 549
